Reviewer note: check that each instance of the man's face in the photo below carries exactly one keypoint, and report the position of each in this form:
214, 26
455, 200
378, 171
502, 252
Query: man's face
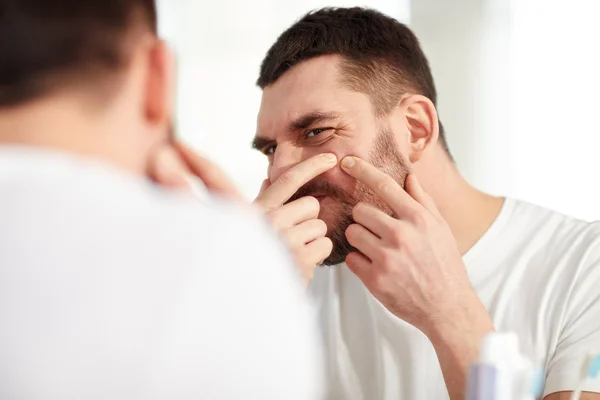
307, 112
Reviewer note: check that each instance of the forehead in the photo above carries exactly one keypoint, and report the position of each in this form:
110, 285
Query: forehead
311, 86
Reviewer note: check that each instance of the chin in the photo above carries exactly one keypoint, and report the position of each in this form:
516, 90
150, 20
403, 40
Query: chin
333, 261
341, 248
330, 220
333, 213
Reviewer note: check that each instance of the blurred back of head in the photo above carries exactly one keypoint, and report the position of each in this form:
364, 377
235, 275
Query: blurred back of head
46, 44
97, 63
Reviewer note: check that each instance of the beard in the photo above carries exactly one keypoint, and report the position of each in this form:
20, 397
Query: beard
386, 157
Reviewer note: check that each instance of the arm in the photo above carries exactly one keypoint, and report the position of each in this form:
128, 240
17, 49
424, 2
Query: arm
456, 340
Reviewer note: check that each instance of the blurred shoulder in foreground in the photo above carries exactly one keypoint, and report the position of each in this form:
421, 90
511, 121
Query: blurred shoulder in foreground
112, 288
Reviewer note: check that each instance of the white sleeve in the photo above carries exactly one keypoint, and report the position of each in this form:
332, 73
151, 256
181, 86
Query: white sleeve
255, 339
581, 329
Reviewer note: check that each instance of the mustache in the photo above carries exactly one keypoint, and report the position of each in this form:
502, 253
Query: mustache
318, 187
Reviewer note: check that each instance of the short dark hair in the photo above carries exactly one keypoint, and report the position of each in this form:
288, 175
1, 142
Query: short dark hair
382, 57
46, 44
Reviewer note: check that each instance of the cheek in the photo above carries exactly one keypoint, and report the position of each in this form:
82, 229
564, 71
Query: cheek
343, 148
343, 182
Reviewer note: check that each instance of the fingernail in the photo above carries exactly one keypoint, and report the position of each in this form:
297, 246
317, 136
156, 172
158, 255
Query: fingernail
348, 162
330, 158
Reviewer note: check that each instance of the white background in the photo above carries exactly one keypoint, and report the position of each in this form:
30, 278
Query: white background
518, 84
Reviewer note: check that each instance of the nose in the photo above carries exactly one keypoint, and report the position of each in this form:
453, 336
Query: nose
285, 157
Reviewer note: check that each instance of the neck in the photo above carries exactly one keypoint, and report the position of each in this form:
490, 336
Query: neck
468, 211
64, 123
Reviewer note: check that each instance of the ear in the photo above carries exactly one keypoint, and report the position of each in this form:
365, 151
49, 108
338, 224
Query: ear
160, 85
422, 122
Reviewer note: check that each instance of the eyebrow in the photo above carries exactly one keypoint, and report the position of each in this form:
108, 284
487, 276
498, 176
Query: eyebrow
311, 118
303, 122
259, 142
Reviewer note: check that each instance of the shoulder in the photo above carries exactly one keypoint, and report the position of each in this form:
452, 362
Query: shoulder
558, 249
64, 202
553, 230
212, 275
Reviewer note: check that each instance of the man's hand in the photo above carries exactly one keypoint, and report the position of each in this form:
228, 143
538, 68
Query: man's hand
410, 260
172, 165
297, 222
411, 263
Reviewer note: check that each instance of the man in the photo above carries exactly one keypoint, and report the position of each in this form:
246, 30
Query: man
112, 287
424, 264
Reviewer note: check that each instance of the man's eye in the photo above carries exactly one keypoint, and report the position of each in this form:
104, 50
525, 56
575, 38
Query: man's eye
270, 150
315, 132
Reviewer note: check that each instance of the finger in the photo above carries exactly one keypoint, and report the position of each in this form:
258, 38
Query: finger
291, 214
416, 191
374, 219
211, 174
287, 184
363, 240
301, 235
359, 264
167, 168
264, 186
317, 251
384, 186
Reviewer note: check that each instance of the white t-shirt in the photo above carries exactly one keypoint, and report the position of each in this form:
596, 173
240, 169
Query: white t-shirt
536, 271
113, 289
